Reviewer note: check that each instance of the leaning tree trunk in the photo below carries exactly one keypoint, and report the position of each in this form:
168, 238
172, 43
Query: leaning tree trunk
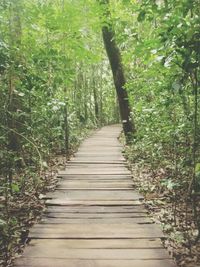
117, 70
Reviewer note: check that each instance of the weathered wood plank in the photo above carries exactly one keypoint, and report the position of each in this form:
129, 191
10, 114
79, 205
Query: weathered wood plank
96, 177
100, 158
98, 209
71, 164
58, 202
49, 262
94, 181
95, 231
94, 215
96, 243
139, 220
93, 185
93, 171
95, 165
101, 254
100, 153
95, 195
93, 188
76, 161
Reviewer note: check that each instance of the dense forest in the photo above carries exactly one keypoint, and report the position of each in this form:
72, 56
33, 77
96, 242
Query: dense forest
58, 59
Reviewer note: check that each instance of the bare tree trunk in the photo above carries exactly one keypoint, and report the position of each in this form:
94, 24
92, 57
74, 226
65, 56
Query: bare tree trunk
118, 72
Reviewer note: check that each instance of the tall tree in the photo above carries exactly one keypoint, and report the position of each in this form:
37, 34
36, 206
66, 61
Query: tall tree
114, 57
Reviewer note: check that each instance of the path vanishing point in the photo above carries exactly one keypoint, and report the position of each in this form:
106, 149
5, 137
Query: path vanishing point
95, 218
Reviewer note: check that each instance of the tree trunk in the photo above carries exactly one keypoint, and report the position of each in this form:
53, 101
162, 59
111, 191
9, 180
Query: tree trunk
117, 70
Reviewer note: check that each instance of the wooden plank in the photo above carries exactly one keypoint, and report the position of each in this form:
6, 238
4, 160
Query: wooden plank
101, 147
96, 243
97, 149
109, 182
76, 161
98, 209
99, 161
99, 153
71, 164
100, 158
93, 185
58, 202
76, 181
49, 262
104, 175
101, 254
94, 165
114, 148
93, 188
106, 148
139, 220
94, 215
96, 140
73, 170
95, 231
96, 177
95, 195
96, 168
98, 228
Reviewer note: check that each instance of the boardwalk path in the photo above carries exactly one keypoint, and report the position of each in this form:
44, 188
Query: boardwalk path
95, 218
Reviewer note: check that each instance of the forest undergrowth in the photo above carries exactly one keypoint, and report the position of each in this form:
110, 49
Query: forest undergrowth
24, 208
169, 205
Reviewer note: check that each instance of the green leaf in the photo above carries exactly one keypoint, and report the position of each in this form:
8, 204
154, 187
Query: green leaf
176, 86
15, 188
44, 164
2, 222
141, 16
197, 168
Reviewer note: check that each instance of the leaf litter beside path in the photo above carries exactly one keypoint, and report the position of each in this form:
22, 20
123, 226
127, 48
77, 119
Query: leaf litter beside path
174, 215
22, 209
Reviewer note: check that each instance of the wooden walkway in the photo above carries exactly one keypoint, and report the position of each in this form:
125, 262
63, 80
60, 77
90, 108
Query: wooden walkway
95, 218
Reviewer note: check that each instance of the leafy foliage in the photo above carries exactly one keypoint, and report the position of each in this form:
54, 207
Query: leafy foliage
160, 42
